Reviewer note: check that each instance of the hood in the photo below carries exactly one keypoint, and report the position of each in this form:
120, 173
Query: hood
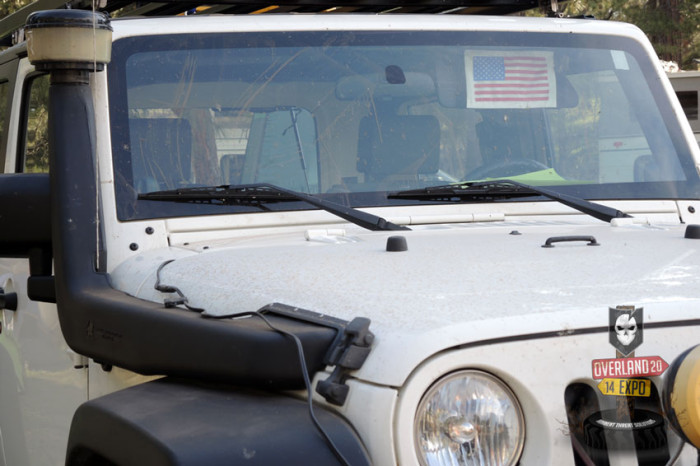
454, 285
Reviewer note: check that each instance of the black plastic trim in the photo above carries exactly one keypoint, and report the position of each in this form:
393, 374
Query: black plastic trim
171, 422
561, 239
25, 214
112, 327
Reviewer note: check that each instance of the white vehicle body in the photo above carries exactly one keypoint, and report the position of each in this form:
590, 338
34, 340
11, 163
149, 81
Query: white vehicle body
474, 288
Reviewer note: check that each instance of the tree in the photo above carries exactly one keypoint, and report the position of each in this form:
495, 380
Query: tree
10, 6
673, 26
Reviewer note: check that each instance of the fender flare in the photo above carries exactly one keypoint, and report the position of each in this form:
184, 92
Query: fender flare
170, 422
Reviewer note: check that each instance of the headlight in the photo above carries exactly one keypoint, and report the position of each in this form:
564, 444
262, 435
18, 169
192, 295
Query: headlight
681, 395
469, 418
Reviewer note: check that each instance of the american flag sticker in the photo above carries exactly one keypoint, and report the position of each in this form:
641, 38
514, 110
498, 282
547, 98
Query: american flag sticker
510, 79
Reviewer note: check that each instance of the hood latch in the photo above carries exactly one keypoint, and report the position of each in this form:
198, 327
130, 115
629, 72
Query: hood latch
347, 354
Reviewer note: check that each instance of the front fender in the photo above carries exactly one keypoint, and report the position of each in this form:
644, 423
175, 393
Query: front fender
172, 422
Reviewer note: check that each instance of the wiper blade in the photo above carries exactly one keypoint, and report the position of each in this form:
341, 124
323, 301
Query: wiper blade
477, 191
260, 194
506, 189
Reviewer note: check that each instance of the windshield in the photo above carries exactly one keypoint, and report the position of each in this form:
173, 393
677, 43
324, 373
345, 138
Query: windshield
354, 116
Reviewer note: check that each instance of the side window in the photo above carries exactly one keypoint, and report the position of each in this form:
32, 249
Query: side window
599, 139
203, 147
35, 154
281, 150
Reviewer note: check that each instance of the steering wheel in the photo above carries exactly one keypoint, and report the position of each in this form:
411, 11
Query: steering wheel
505, 168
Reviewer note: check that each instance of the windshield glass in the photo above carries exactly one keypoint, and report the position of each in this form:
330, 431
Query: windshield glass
352, 116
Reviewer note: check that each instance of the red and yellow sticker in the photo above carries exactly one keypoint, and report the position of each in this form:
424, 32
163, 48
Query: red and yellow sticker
624, 368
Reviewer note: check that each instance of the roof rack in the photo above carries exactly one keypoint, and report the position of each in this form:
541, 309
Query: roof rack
11, 27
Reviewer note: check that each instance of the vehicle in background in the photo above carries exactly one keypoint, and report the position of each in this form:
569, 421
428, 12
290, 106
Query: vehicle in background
687, 86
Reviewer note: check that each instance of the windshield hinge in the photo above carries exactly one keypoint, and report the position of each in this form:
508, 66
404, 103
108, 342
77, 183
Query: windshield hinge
347, 354
553, 10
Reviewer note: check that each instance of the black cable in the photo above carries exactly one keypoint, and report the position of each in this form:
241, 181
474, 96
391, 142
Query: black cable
173, 289
305, 372
300, 350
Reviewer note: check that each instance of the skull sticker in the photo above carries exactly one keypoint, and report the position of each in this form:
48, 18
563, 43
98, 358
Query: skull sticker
626, 328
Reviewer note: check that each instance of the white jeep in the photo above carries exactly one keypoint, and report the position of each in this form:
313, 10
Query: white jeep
332, 236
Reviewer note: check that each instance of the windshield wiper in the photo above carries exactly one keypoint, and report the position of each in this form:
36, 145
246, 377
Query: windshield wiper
260, 194
506, 189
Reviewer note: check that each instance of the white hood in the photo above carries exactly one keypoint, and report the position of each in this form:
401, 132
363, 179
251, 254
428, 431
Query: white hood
453, 286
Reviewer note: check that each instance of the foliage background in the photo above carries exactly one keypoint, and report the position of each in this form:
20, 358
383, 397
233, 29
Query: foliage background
8, 6
673, 26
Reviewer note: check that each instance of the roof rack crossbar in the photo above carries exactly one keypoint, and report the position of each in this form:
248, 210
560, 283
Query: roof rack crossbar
13, 23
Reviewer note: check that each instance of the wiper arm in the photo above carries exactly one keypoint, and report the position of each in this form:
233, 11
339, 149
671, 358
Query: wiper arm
262, 193
506, 189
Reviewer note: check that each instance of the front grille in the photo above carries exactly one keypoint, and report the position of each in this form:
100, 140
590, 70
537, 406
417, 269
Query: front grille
603, 427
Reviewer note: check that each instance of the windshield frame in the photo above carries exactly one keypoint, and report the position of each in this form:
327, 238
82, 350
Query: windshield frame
129, 207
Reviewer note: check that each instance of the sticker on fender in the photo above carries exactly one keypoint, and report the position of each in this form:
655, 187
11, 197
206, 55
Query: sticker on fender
625, 387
